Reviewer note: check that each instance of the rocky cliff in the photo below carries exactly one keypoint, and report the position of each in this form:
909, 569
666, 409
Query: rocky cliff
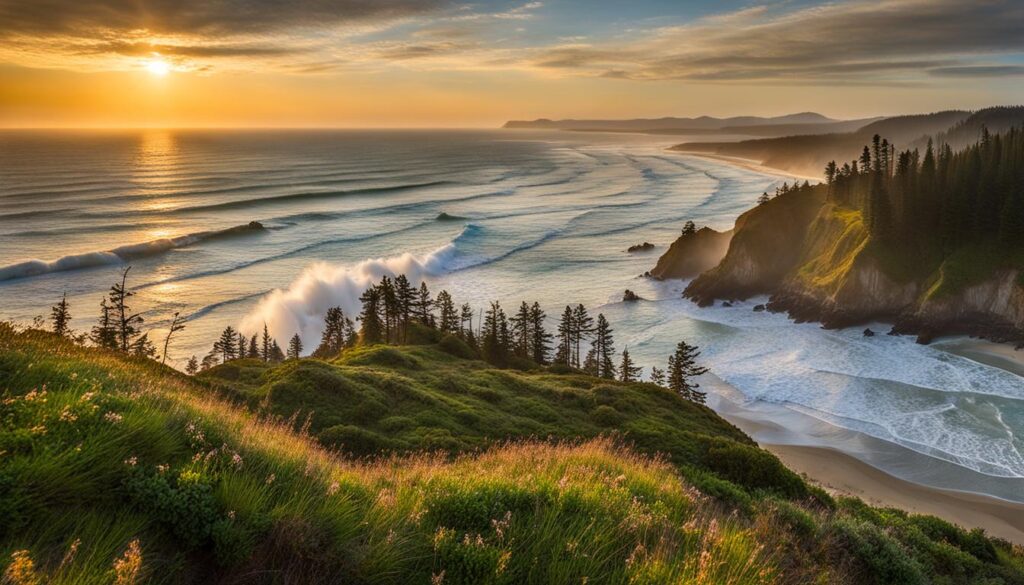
817, 262
692, 254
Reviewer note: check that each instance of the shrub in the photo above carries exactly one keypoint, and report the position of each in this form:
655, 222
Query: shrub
606, 416
186, 506
454, 345
796, 519
754, 468
879, 555
355, 440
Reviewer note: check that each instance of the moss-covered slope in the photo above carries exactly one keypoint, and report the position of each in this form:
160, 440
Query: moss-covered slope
117, 470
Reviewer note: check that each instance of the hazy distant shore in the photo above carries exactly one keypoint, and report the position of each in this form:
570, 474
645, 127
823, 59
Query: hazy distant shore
884, 473
746, 163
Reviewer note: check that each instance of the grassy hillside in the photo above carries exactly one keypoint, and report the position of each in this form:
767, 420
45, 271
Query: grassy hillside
117, 470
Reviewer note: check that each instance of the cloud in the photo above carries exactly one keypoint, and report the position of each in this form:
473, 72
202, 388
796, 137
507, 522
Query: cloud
979, 71
880, 40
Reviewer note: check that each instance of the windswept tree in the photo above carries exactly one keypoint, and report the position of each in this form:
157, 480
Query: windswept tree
209, 360
689, 228
295, 347
177, 324
192, 367
682, 369
60, 314
126, 323
657, 376
629, 371
143, 347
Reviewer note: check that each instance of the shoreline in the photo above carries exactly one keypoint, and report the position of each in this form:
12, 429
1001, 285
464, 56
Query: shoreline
847, 462
745, 163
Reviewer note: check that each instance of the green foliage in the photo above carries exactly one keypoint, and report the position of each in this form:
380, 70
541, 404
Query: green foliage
880, 557
185, 504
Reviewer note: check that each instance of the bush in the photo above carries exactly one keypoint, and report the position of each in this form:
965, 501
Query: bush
796, 519
187, 507
454, 345
879, 555
355, 440
607, 416
754, 468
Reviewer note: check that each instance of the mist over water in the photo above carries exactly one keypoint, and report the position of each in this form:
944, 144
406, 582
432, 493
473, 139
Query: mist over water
506, 216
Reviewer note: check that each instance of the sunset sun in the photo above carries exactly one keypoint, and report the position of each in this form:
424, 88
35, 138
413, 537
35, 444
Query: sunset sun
158, 67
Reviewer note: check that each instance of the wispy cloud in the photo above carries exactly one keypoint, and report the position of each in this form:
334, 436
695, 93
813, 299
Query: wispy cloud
858, 40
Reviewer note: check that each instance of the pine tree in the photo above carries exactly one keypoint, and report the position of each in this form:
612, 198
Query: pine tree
254, 348
628, 371
763, 198
387, 308
522, 331
60, 314
405, 295
583, 327
295, 347
604, 348
689, 228
225, 345
276, 355
424, 306
177, 324
682, 369
265, 348
540, 344
335, 336
373, 329
142, 347
657, 376
449, 317
209, 360
495, 336
104, 334
566, 329
192, 367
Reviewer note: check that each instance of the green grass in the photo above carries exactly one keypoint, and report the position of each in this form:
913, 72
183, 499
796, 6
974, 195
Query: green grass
117, 470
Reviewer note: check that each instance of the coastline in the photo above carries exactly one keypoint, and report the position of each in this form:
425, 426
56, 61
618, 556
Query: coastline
745, 163
846, 462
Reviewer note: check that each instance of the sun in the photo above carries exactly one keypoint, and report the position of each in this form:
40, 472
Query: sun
158, 66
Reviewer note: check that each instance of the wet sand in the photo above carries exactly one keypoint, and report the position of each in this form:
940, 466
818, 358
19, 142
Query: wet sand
883, 473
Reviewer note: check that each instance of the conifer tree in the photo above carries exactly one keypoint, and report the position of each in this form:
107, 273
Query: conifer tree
335, 335
254, 349
424, 306
276, 355
629, 371
657, 376
682, 369
209, 360
566, 336
225, 345
583, 327
540, 344
603, 348
689, 228
495, 336
448, 318
295, 347
405, 296
192, 367
126, 323
265, 348
522, 331
60, 314
104, 333
372, 329
142, 347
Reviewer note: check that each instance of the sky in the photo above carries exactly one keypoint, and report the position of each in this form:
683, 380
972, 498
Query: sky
445, 63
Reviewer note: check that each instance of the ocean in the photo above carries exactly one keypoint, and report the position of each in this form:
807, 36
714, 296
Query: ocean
488, 215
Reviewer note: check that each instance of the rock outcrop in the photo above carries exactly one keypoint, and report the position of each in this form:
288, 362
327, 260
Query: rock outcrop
818, 262
692, 254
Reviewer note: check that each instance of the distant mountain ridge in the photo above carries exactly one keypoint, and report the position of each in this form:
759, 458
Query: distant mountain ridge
698, 123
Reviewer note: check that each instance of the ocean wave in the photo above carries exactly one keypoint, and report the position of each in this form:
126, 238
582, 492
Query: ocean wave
118, 255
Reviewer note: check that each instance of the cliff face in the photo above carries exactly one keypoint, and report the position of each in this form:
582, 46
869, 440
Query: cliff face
766, 244
692, 254
818, 263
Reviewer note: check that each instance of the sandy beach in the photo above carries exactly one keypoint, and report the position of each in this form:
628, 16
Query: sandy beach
747, 163
850, 463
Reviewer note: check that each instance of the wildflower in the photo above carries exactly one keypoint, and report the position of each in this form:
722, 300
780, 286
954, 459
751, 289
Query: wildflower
126, 568
67, 416
38, 430
69, 557
231, 514
271, 478
437, 579
113, 417
21, 571
333, 488
87, 397
74, 375
162, 468
236, 460
131, 461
